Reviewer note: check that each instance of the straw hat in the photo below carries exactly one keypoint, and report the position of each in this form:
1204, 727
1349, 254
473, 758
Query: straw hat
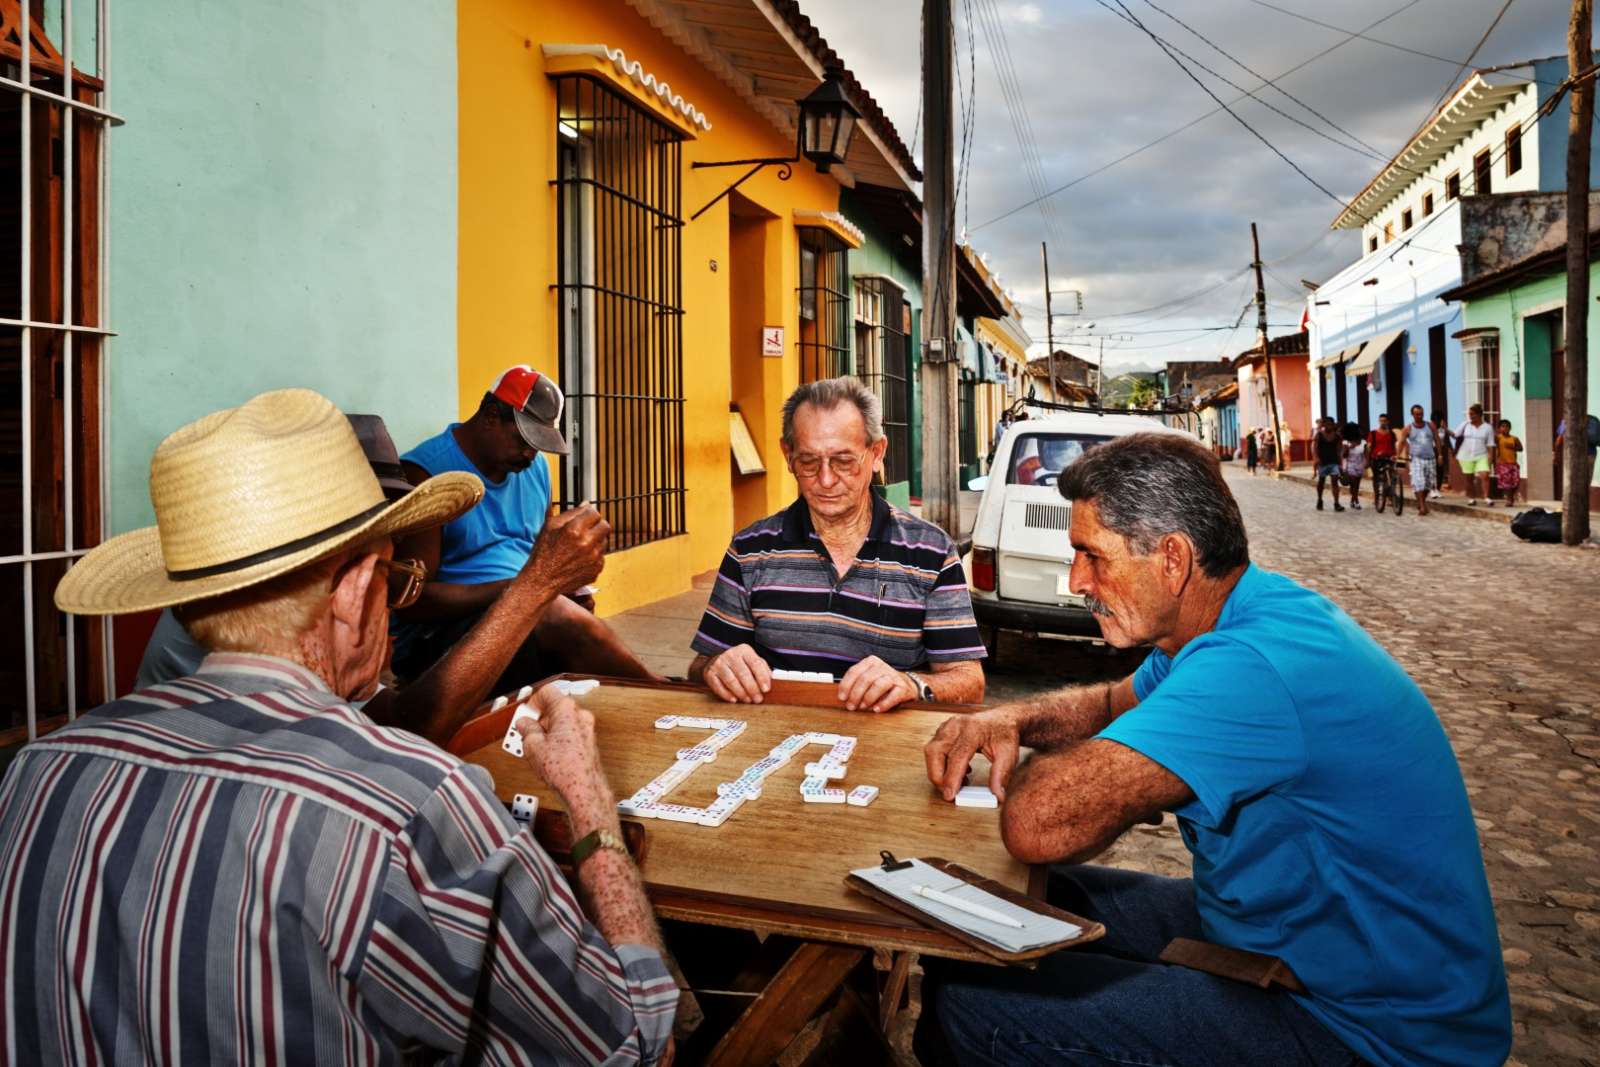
248, 494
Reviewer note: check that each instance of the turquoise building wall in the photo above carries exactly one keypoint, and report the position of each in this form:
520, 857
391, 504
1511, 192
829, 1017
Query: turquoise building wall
282, 213
884, 253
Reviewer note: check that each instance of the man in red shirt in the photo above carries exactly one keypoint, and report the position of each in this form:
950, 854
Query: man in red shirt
1381, 443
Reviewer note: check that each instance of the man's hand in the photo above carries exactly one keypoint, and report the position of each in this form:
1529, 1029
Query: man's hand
739, 675
570, 551
873, 685
561, 750
994, 733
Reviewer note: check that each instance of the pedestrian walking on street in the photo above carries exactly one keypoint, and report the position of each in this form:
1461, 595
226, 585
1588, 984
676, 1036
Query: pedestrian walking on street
1444, 449
1252, 452
1474, 437
1353, 462
1419, 447
1269, 448
1328, 448
1507, 469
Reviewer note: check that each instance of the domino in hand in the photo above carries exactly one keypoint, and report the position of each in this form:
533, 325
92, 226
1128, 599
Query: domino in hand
524, 806
513, 740
976, 796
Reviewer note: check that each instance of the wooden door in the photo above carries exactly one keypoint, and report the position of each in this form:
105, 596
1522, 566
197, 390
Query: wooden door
1558, 391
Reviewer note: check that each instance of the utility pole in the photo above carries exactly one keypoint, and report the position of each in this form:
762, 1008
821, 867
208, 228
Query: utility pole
941, 447
1100, 379
1049, 320
1278, 448
1575, 498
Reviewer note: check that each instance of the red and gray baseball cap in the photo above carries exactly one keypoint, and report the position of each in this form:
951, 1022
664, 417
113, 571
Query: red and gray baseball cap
537, 401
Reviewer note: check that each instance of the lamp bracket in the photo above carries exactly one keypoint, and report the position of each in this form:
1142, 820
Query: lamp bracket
785, 172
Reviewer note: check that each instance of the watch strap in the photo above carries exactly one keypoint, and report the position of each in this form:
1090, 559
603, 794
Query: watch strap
594, 841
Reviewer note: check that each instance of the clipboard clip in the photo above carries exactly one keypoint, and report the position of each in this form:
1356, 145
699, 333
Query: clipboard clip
892, 864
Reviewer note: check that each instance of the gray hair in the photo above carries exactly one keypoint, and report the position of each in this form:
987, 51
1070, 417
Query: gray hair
828, 394
1147, 485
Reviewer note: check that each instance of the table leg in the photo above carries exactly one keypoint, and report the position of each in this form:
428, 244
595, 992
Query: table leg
772, 1020
893, 988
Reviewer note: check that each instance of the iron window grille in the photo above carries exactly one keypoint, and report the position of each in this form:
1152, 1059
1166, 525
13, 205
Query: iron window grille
53, 430
620, 292
824, 293
883, 361
1480, 357
967, 414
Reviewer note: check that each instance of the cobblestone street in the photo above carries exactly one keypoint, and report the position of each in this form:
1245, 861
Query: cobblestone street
1505, 640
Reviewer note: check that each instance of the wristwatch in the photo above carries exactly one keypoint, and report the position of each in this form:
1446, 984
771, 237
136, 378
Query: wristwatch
924, 690
593, 842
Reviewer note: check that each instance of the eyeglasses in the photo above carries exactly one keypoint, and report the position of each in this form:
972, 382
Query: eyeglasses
843, 464
406, 578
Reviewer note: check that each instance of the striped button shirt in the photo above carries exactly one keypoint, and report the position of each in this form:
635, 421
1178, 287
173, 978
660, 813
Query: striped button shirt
239, 867
904, 599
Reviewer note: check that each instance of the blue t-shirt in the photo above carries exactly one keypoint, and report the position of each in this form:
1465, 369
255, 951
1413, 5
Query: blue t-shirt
493, 540
1331, 827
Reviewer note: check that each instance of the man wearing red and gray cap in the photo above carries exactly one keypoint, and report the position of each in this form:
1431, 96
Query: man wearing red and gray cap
482, 551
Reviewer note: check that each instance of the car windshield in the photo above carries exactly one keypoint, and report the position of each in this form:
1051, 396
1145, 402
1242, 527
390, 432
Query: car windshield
1039, 458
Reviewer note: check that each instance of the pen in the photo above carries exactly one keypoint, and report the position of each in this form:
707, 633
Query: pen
962, 905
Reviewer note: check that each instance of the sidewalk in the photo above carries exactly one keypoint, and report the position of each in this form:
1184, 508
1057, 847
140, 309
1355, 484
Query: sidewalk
659, 633
1449, 502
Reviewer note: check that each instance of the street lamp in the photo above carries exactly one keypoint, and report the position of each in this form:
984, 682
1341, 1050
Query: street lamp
827, 123
826, 127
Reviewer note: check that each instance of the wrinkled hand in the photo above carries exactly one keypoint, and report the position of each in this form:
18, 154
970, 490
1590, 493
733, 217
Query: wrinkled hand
570, 550
739, 675
560, 746
960, 737
873, 685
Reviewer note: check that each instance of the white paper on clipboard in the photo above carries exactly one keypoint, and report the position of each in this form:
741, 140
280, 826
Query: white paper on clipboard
1036, 929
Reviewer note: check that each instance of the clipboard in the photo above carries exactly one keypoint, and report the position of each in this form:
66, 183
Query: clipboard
1089, 930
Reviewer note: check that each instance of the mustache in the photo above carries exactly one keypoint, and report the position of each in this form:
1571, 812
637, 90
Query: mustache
1098, 607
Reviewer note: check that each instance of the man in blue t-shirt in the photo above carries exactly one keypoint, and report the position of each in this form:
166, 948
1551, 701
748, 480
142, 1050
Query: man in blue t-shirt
480, 553
1313, 785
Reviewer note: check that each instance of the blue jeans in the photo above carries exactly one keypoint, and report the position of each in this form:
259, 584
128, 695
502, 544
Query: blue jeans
1111, 1002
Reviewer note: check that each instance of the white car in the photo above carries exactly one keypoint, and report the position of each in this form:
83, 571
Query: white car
1021, 554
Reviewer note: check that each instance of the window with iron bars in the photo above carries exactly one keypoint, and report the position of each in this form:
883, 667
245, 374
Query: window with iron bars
883, 362
620, 251
967, 413
824, 304
53, 121
1480, 358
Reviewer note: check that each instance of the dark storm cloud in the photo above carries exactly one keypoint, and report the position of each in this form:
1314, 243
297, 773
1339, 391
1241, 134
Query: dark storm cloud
1176, 218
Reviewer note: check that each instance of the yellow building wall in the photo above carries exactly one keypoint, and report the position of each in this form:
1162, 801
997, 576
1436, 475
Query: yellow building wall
506, 310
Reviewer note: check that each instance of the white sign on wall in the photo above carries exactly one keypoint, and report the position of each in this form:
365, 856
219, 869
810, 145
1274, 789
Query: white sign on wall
772, 341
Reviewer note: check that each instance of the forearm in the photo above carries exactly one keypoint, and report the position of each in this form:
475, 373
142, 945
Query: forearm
960, 682
441, 601
1073, 714
436, 704
608, 882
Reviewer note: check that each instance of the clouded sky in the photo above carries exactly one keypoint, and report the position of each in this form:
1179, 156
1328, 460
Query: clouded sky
1175, 218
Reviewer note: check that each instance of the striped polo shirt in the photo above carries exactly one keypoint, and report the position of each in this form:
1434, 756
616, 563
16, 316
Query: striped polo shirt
904, 599
238, 866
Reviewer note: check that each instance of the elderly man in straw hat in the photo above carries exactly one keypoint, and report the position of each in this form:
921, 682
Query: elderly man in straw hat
239, 864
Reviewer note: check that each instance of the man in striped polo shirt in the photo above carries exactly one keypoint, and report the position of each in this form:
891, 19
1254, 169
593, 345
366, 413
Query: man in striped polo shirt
840, 581
240, 866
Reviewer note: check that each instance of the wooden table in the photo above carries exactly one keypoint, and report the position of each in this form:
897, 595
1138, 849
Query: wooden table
777, 866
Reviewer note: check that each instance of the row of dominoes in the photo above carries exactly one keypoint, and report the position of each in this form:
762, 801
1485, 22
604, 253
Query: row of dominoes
801, 676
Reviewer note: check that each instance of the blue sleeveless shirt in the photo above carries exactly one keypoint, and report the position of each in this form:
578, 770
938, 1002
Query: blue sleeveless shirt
493, 540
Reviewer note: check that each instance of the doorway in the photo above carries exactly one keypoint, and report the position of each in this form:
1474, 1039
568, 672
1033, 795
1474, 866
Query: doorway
755, 381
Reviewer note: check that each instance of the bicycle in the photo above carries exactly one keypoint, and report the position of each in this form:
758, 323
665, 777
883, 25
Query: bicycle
1386, 488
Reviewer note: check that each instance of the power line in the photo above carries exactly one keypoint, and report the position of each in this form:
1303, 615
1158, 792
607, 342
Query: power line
1017, 111
1196, 121
1235, 115
1256, 74
1465, 63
